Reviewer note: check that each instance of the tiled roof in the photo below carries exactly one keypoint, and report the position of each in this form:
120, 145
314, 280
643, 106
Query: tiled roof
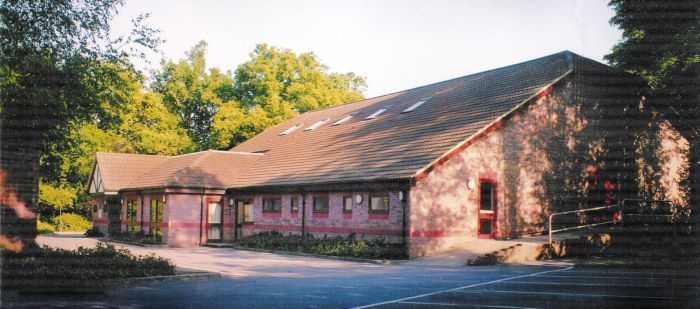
206, 169
118, 169
395, 145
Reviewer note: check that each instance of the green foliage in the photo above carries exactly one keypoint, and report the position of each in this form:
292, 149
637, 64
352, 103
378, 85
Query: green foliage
56, 197
70, 223
93, 232
139, 237
660, 42
44, 228
194, 93
51, 269
350, 246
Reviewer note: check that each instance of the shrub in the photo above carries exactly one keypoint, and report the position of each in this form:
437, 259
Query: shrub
350, 246
70, 223
58, 269
44, 228
93, 232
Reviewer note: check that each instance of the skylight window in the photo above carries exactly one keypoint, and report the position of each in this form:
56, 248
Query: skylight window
316, 125
348, 117
290, 130
375, 114
415, 105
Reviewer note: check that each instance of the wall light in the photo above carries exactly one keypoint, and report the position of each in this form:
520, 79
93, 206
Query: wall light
358, 198
471, 184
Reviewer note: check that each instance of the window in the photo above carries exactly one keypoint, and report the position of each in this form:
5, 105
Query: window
214, 222
415, 105
272, 205
248, 213
156, 218
379, 203
131, 216
375, 114
348, 117
347, 203
294, 202
290, 130
486, 196
316, 125
321, 203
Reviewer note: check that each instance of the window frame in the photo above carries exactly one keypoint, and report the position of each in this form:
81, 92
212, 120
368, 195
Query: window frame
274, 209
252, 212
384, 195
131, 215
328, 202
345, 199
293, 208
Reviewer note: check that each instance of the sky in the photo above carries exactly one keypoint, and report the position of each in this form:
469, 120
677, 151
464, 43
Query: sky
395, 45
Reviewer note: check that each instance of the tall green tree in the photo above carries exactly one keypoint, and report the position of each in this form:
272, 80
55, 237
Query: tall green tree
194, 93
51, 53
275, 85
661, 43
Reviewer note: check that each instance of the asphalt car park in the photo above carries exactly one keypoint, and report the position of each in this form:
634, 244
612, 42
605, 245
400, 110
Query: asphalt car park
568, 288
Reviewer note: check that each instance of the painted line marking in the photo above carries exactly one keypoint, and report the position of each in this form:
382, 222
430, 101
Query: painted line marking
613, 277
570, 294
460, 288
462, 305
603, 284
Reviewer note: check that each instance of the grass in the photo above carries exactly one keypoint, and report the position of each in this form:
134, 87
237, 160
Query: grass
350, 246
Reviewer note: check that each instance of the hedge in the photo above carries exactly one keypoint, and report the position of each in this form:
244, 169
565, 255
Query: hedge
44, 228
86, 268
350, 246
70, 223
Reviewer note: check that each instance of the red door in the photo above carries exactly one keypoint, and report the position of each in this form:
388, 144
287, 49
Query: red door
487, 208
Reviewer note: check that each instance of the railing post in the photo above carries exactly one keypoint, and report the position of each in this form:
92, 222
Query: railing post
551, 216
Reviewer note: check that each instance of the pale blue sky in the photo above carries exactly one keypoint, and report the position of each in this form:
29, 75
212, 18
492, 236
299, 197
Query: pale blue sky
396, 45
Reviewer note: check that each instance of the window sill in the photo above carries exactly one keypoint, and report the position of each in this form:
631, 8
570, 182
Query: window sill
272, 215
379, 216
320, 215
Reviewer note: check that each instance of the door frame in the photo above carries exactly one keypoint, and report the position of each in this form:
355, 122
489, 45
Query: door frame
238, 222
491, 215
221, 222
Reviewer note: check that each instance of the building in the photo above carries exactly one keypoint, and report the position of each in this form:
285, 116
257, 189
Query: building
488, 155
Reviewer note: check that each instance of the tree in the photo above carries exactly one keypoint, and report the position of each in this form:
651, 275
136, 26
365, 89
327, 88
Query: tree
51, 56
276, 85
55, 197
194, 93
661, 43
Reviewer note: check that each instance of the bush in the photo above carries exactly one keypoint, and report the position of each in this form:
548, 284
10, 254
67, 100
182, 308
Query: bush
86, 268
139, 237
44, 228
70, 223
350, 246
93, 232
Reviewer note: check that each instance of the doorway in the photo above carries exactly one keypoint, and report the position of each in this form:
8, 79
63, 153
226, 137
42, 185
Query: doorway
487, 208
244, 215
214, 222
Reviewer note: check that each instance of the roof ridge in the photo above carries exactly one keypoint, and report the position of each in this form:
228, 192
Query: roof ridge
132, 154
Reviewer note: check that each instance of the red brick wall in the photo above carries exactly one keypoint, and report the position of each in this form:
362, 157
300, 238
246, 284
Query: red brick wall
99, 217
335, 222
539, 159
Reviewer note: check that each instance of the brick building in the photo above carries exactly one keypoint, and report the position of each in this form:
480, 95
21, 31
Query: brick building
487, 155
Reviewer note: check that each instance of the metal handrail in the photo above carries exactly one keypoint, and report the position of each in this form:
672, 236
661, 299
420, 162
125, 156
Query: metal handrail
551, 216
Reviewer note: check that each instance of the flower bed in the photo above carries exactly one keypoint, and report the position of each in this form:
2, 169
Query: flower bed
350, 246
47, 269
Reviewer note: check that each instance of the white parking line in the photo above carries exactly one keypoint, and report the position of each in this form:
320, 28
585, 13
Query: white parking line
462, 305
601, 284
461, 288
613, 277
574, 294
